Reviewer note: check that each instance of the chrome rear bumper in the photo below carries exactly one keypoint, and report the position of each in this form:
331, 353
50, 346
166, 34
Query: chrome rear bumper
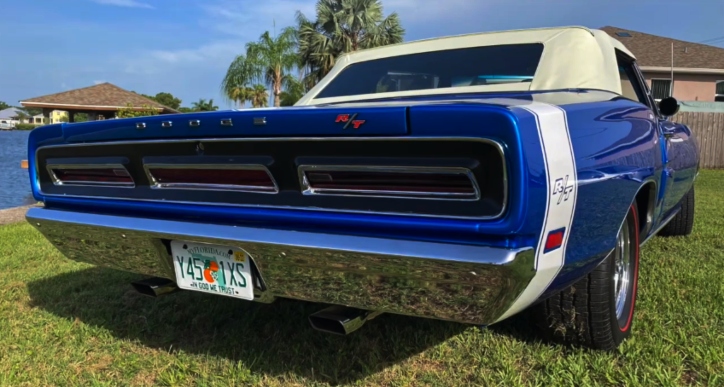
470, 284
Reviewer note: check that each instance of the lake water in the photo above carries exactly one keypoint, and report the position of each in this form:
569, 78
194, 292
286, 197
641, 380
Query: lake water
14, 182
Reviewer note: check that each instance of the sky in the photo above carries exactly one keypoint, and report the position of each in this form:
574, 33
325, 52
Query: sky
185, 46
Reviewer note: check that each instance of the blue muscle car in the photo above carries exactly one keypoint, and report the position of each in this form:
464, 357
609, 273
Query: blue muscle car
467, 178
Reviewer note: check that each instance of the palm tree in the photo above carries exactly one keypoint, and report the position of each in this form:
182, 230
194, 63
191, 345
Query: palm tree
271, 59
202, 106
259, 97
20, 116
293, 91
234, 85
342, 26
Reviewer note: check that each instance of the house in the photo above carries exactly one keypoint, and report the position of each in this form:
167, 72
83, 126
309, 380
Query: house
57, 116
698, 69
10, 115
36, 119
99, 101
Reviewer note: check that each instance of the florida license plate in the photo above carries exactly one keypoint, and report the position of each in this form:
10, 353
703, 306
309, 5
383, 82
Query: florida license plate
212, 269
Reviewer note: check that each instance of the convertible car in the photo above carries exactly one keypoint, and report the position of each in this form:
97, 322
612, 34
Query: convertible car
467, 178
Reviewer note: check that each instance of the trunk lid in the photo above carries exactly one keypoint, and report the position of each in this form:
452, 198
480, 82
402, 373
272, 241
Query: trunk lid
306, 121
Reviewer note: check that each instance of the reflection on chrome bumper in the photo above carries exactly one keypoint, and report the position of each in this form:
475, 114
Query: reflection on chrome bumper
470, 284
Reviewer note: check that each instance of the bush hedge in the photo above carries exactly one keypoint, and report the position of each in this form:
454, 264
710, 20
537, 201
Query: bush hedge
22, 126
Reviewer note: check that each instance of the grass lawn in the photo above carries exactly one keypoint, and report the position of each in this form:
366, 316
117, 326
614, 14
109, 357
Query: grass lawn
65, 323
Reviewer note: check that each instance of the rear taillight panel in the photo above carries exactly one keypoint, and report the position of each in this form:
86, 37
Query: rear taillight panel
440, 177
244, 178
115, 175
390, 181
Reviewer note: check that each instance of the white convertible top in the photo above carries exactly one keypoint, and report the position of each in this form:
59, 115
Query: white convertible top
573, 57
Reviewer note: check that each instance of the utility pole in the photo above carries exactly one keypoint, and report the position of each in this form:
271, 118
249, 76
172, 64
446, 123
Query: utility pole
671, 89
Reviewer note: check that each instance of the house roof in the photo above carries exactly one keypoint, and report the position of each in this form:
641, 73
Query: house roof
104, 96
655, 51
10, 112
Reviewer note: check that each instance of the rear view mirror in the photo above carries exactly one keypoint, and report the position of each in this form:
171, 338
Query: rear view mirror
668, 106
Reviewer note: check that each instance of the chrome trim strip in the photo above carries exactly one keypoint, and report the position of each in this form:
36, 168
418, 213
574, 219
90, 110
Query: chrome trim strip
496, 144
57, 181
455, 282
211, 187
308, 190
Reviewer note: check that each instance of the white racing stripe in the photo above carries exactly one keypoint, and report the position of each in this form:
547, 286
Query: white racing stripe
560, 167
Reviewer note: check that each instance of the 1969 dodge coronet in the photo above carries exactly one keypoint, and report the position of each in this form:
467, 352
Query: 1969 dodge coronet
467, 178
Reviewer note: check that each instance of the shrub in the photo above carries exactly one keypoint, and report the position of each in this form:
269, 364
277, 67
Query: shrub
22, 126
129, 111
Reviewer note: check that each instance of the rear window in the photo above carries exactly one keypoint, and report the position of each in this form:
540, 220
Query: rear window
472, 66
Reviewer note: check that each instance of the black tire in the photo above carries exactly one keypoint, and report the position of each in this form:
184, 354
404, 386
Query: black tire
683, 222
584, 314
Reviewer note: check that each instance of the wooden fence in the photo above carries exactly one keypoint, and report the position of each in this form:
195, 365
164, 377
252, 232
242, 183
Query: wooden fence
708, 127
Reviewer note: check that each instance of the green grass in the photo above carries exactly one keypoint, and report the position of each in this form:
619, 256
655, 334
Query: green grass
65, 323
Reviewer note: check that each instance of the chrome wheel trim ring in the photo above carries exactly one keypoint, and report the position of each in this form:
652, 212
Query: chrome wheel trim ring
622, 269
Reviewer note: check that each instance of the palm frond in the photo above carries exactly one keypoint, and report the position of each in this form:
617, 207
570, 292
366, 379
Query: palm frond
342, 26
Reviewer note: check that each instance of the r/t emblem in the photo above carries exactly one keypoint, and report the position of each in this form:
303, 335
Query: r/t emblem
562, 188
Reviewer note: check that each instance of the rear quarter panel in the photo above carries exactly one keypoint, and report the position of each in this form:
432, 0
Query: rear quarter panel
617, 151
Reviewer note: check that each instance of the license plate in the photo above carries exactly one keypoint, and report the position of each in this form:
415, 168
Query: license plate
212, 269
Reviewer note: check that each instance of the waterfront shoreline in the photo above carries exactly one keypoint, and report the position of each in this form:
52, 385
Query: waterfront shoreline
15, 214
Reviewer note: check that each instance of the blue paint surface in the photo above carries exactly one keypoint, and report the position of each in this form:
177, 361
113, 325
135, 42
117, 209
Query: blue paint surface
620, 149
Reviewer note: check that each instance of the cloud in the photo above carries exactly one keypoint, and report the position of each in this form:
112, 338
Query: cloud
124, 3
233, 23
248, 20
227, 26
209, 53
230, 24
98, 82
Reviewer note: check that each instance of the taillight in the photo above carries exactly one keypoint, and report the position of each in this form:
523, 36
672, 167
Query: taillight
251, 178
89, 174
413, 182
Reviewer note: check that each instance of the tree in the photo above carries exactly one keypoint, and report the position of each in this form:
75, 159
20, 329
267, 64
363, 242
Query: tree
259, 97
21, 115
342, 26
272, 58
185, 109
79, 117
164, 98
203, 106
129, 111
267, 61
4, 106
293, 91
167, 99
234, 86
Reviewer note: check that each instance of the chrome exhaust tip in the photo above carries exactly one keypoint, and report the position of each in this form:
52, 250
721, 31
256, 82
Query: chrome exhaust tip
340, 320
154, 286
